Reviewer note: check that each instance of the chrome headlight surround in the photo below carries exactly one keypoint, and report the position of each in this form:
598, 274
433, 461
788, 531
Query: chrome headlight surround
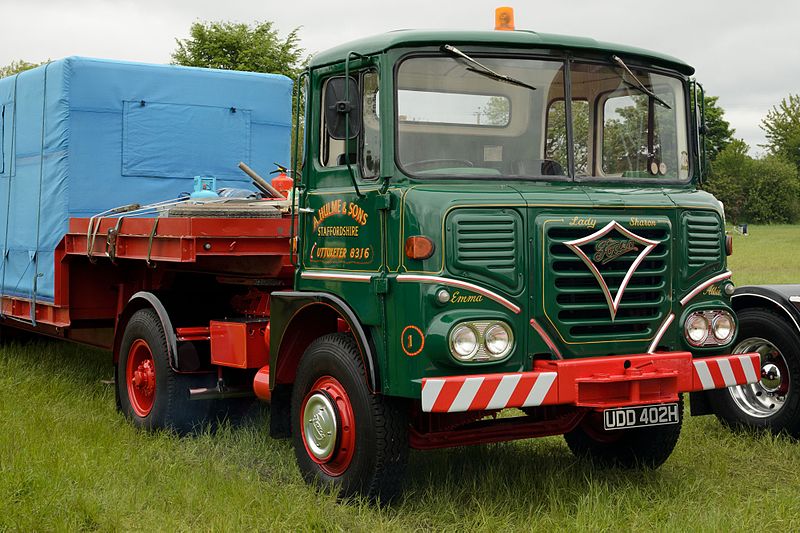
498, 339
696, 329
709, 328
723, 327
460, 334
487, 333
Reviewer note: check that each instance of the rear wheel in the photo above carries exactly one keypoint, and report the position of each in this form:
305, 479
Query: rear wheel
645, 447
346, 438
151, 394
773, 402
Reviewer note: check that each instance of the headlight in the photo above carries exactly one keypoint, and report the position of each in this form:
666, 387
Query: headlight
481, 341
722, 327
696, 329
709, 328
497, 340
464, 342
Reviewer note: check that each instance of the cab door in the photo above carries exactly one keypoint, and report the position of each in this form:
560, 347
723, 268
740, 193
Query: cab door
342, 248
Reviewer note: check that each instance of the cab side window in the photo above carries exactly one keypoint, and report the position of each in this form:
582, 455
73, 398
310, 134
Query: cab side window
371, 129
331, 150
365, 150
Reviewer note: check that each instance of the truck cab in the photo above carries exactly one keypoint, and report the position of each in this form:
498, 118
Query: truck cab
499, 220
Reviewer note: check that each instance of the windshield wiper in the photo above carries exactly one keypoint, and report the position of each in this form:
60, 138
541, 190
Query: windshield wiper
483, 70
640, 86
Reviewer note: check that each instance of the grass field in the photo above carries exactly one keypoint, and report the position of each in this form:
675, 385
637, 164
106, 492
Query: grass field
68, 461
769, 254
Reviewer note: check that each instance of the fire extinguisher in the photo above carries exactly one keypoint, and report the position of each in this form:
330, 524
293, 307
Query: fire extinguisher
282, 182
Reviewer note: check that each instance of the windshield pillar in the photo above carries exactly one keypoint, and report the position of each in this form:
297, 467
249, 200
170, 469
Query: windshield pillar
568, 117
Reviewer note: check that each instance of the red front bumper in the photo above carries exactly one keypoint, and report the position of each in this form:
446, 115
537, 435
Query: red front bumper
598, 382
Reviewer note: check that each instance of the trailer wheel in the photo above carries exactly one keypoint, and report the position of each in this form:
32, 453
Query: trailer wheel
346, 438
646, 447
151, 394
774, 402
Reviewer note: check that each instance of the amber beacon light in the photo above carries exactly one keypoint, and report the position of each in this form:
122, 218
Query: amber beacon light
504, 18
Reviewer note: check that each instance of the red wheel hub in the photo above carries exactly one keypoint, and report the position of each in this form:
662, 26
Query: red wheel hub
327, 425
140, 374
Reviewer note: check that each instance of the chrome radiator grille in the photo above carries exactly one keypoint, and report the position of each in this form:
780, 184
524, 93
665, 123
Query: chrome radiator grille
577, 303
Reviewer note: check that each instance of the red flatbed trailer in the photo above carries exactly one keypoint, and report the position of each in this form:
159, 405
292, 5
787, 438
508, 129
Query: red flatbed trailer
102, 262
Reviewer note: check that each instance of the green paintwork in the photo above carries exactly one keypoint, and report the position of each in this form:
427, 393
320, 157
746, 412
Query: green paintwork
378, 44
491, 233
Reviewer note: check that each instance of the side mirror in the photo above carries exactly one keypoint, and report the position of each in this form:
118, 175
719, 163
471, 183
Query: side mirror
338, 110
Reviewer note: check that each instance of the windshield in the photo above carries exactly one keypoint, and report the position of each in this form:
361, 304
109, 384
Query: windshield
633, 135
455, 120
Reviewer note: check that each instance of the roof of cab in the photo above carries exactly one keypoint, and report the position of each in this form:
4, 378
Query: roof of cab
513, 39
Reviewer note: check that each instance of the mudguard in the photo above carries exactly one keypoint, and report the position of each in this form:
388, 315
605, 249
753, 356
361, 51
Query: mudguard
783, 299
285, 305
140, 300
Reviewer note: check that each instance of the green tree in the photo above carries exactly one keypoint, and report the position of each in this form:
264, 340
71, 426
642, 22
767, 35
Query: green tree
556, 142
625, 135
718, 130
627, 145
238, 46
755, 190
782, 128
15, 67
728, 180
496, 111
773, 191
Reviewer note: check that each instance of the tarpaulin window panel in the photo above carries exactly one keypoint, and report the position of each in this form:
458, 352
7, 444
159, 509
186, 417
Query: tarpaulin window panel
167, 140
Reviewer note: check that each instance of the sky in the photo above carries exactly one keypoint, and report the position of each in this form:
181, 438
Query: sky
747, 53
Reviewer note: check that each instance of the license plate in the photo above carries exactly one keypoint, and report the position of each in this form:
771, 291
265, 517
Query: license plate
642, 415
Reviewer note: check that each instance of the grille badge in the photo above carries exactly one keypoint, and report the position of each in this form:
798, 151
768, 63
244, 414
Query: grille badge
608, 250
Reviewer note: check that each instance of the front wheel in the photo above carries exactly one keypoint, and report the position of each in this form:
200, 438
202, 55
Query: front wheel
772, 403
644, 447
346, 438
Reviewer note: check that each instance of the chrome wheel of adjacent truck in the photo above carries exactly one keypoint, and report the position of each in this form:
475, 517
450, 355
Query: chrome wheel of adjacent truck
767, 396
345, 437
773, 402
150, 393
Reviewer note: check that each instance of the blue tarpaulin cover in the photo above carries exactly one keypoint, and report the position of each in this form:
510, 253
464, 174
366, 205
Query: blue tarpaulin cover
79, 136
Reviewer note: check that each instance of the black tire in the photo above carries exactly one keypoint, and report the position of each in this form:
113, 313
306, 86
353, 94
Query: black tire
374, 465
169, 404
646, 447
764, 405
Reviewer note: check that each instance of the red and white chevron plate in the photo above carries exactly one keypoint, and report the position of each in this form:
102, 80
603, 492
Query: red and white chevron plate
726, 371
486, 392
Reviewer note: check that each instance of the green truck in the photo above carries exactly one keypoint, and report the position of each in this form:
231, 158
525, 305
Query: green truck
493, 235
513, 221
